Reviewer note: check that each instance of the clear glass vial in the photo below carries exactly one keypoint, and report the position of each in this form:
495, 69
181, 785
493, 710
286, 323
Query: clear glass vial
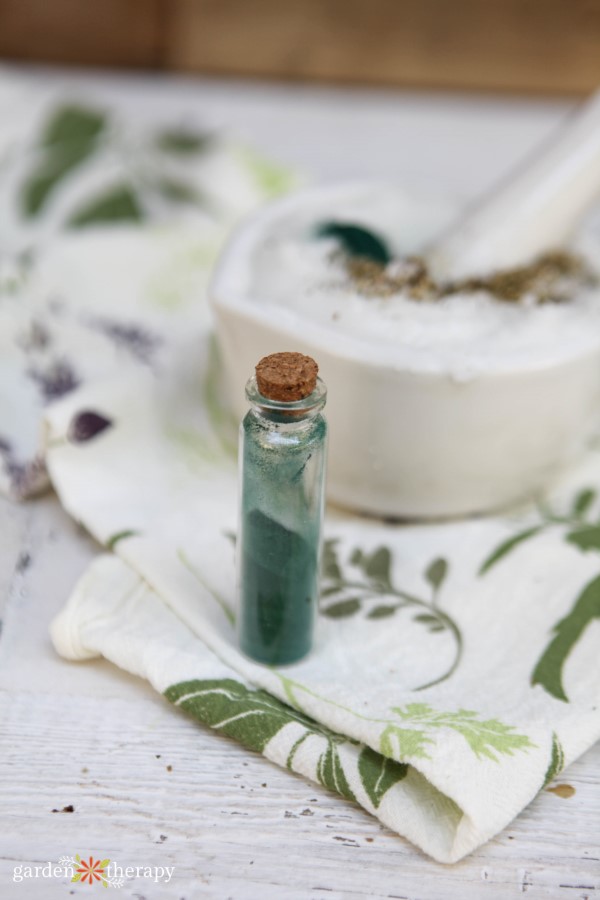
282, 474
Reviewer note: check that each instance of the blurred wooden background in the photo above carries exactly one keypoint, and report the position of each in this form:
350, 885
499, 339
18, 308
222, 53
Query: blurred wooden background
522, 45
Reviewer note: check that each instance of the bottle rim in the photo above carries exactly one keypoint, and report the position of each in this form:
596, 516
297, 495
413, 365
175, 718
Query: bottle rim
313, 402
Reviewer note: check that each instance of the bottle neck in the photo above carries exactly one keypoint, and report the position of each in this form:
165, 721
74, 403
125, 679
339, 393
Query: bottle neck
281, 413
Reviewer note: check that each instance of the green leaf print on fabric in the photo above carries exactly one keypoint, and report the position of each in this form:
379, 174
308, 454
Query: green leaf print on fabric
270, 178
114, 539
254, 717
485, 738
582, 502
73, 123
38, 187
69, 138
548, 671
419, 722
404, 743
154, 173
344, 608
330, 772
378, 774
251, 717
436, 572
177, 191
382, 612
507, 546
367, 577
117, 204
557, 761
586, 538
331, 569
376, 566
183, 143
585, 535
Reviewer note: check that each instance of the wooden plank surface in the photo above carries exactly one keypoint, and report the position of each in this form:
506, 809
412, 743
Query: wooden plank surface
549, 45
104, 33
534, 45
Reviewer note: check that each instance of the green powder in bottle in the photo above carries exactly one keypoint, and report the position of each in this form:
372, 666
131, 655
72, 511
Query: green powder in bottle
282, 459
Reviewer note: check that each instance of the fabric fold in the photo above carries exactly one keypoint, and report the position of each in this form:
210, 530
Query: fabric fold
113, 613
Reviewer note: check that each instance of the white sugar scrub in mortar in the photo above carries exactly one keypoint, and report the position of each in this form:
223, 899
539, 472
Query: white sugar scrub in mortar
403, 321
447, 397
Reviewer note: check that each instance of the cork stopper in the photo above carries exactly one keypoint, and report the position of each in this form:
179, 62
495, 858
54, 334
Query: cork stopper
286, 376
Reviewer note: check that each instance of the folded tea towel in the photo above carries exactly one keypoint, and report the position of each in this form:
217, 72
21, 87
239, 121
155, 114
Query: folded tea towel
457, 667
109, 225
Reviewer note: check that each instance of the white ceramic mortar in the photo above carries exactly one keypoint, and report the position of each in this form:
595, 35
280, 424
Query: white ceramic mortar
404, 443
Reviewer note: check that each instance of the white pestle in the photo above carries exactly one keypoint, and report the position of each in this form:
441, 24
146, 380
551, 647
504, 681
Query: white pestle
532, 211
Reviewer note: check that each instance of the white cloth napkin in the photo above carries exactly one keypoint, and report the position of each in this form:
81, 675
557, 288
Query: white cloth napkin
456, 670
109, 225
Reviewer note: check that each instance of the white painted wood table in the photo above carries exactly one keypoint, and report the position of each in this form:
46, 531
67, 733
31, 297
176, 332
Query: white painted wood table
149, 787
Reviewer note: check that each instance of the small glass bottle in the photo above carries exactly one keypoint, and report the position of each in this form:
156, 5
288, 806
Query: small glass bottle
283, 442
